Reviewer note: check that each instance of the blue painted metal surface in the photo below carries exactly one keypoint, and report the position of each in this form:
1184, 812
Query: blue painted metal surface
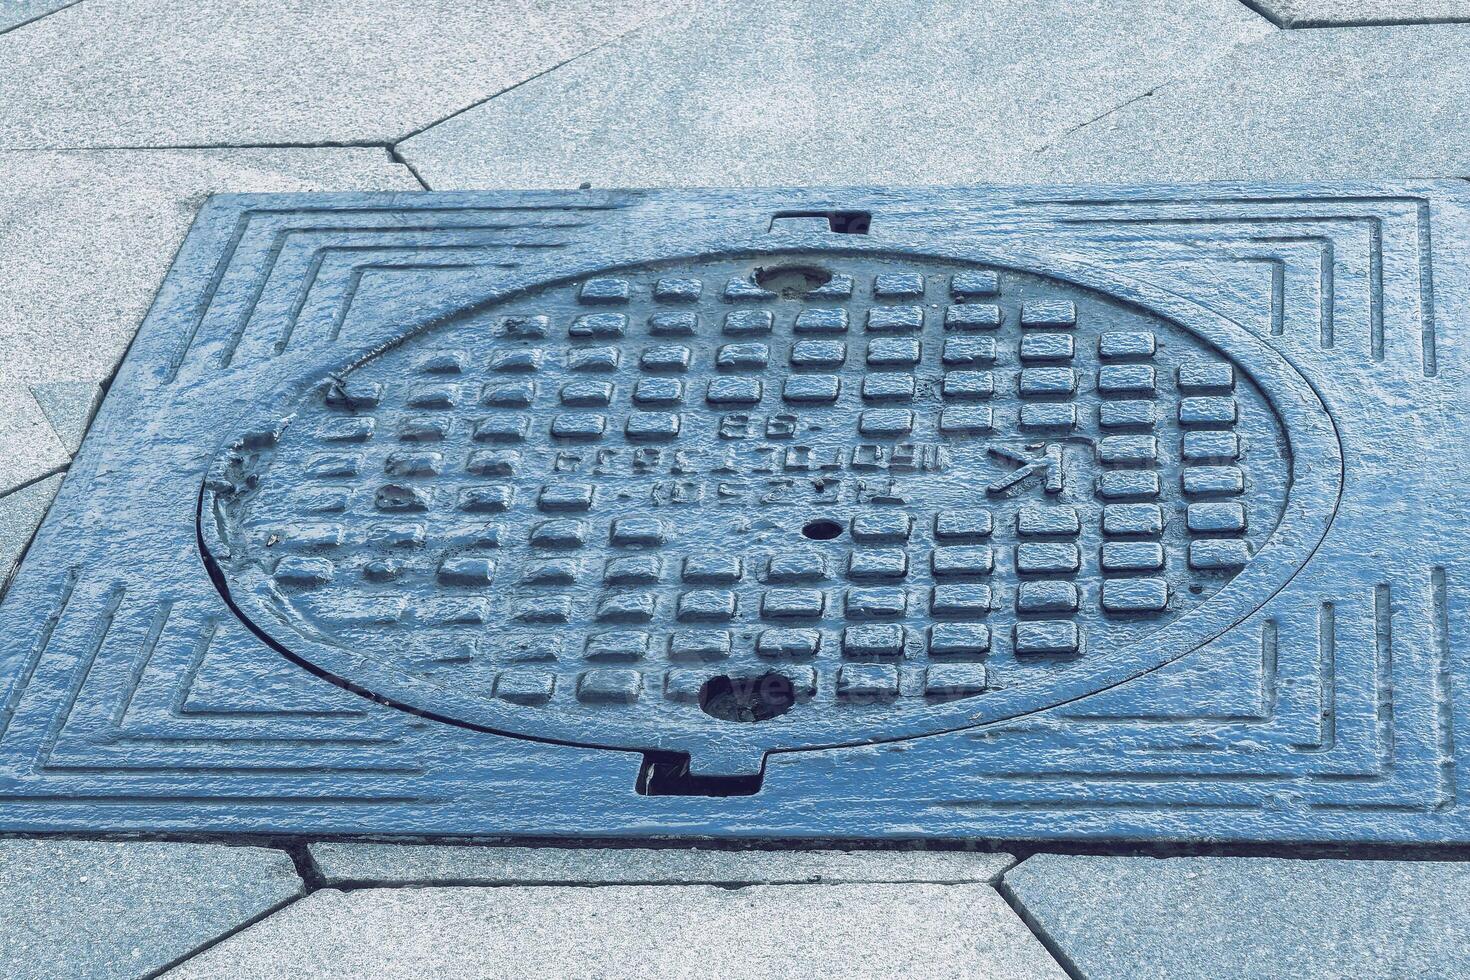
999, 513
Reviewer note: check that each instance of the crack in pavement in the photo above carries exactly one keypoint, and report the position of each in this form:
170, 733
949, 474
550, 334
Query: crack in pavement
1189, 76
1054, 141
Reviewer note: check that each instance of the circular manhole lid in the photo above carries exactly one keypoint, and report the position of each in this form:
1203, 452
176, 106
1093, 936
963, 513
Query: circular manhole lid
772, 502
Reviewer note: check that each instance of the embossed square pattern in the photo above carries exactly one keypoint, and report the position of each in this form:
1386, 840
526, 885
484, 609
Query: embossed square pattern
1048, 513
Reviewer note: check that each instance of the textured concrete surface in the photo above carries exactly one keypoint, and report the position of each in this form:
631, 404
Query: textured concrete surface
1321, 104
216, 72
32, 448
801, 91
68, 407
93, 909
1142, 918
1312, 13
20, 514
14, 13
847, 931
398, 863
85, 239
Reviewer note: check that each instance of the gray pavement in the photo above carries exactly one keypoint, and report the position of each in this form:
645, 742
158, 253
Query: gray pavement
801, 91
233, 73
21, 511
14, 13
507, 93
776, 931
33, 449
1145, 918
94, 909
347, 863
1333, 103
68, 407
1318, 13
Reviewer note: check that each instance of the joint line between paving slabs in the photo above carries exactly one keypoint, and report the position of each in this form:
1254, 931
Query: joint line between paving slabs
41, 16
306, 867
160, 147
234, 930
1261, 11
54, 471
734, 884
1048, 943
25, 547
399, 158
1308, 23
525, 81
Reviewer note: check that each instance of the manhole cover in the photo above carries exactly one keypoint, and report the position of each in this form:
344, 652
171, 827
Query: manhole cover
921, 493
1031, 505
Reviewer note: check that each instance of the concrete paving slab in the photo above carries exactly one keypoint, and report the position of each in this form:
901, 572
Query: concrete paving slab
1318, 13
1338, 103
847, 931
68, 407
95, 909
1177, 918
782, 92
84, 242
225, 72
20, 514
398, 863
14, 13
32, 447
